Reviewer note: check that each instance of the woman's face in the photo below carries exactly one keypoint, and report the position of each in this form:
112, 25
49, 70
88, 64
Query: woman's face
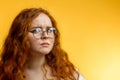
41, 35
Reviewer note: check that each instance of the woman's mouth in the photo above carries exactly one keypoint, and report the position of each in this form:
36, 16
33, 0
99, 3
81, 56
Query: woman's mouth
45, 44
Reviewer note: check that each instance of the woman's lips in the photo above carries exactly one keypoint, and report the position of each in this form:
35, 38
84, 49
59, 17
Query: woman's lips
45, 44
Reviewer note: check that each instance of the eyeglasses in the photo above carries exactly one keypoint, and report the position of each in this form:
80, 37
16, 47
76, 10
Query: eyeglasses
38, 32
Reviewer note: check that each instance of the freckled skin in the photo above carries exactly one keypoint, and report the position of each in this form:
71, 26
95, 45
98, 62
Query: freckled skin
41, 21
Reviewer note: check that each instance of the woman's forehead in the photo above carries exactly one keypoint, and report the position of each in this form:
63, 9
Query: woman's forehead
41, 20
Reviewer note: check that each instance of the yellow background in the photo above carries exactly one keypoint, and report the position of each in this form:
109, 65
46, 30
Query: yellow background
90, 32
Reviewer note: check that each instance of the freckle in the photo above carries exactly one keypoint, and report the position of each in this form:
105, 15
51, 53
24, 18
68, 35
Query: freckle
24, 76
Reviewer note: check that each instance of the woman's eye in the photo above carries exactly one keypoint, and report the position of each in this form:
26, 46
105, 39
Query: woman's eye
37, 30
50, 30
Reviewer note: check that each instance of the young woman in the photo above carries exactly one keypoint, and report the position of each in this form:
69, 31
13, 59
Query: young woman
32, 50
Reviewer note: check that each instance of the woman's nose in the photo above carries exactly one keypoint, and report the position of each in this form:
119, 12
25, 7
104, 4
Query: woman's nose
44, 35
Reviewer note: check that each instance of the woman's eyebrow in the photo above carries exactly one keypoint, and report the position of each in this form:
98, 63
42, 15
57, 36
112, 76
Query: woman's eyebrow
36, 27
49, 26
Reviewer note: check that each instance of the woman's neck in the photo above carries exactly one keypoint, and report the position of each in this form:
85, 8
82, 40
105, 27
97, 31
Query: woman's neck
35, 62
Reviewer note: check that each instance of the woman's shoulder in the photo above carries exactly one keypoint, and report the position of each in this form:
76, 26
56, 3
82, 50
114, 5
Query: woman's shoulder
81, 77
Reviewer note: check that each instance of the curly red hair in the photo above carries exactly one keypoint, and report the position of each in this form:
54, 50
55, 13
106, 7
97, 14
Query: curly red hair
16, 48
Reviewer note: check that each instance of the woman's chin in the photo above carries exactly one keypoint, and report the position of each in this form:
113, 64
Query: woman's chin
44, 52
